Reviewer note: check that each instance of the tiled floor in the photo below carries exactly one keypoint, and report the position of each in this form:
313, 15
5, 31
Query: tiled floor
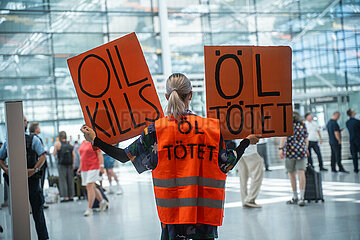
133, 214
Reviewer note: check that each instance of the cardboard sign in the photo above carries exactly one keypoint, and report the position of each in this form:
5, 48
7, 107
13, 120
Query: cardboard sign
249, 89
115, 89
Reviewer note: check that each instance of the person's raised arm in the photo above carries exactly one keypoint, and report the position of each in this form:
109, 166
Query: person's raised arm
114, 152
251, 139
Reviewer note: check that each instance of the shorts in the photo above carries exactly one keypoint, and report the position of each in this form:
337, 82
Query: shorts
90, 176
292, 165
108, 162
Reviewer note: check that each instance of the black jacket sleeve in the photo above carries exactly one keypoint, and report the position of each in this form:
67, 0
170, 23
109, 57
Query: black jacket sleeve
241, 148
117, 153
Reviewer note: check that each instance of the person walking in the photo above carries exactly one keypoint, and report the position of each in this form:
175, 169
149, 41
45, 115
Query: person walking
250, 165
91, 165
294, 150
66, 156
334, 132
188, 161
314, 140
353, 126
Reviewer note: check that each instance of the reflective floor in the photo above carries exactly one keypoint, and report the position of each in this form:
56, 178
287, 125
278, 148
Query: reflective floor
133, 214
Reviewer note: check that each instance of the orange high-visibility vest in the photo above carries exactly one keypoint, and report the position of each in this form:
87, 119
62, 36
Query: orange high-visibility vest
188, 183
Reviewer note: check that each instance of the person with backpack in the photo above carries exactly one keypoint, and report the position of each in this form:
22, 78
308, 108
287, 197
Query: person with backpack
36, 157
66, 156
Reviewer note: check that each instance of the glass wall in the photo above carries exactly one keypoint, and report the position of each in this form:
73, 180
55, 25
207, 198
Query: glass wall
38, 36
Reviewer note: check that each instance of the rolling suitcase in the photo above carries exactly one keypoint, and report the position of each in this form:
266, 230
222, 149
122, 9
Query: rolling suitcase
313, 188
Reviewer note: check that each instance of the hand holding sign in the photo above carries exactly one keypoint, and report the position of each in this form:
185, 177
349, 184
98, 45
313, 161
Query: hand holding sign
250, 89
89, 134
254, 139
115, 89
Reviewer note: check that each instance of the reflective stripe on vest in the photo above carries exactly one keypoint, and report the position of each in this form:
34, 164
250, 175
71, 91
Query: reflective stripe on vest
189, 186
190, 202
184, 181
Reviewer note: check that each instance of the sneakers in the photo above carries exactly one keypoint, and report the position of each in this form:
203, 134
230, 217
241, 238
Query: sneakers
103, 205
252, 205
88, 212
292, 201
301, 202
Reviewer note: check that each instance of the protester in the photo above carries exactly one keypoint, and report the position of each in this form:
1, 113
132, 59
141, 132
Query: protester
35, 154
314, 138
109, 167
334, 132
91, 164
294, 150
188, 161
353, 125
66, 156
250, 165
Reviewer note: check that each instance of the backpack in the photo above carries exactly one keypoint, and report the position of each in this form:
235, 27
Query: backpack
31, 155
65, 156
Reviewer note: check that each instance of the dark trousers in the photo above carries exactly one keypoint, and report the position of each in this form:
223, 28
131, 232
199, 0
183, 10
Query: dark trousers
315, 146
261, 148
43, 168
336, 156
355, 149
36, 198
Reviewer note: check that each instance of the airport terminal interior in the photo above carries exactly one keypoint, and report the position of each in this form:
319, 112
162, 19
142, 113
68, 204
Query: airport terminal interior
38, 36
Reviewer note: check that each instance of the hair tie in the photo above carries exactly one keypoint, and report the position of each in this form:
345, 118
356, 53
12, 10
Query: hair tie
172, 91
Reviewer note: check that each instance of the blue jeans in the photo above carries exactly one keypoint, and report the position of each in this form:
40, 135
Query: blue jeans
36, 198
315, 146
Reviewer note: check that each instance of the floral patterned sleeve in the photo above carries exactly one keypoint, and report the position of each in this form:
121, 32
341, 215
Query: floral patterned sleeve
143, 152
227, 157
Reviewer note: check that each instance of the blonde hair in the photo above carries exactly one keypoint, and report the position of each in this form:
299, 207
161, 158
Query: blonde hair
178, 87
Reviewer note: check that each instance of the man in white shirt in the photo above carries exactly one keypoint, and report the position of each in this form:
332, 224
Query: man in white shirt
250, 165
314, 138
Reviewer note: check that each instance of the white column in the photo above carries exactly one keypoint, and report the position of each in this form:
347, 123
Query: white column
19, 197
164, 34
